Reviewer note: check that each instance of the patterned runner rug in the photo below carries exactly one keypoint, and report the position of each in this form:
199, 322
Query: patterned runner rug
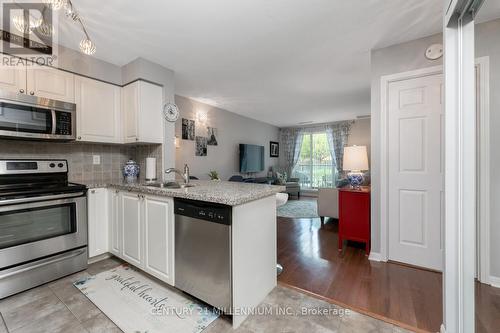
136, 303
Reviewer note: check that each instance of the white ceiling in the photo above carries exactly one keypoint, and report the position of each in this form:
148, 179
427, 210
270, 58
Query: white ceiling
281, 61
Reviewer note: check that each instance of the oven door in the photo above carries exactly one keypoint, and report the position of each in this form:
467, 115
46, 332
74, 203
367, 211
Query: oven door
34, 229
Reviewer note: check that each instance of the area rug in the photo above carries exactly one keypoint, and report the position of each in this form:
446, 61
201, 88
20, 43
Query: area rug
299, 209
136, 303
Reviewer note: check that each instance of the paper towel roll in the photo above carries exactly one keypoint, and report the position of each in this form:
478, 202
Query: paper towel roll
150, 168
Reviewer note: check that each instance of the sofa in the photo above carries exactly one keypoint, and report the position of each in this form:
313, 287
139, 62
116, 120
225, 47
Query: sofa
293, 187
328, 203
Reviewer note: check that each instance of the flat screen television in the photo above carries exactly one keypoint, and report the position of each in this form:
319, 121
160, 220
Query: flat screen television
251, 158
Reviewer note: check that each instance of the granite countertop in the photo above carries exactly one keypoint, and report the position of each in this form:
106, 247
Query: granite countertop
223, 192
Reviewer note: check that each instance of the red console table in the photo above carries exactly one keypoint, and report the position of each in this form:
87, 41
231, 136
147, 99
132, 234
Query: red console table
354, 216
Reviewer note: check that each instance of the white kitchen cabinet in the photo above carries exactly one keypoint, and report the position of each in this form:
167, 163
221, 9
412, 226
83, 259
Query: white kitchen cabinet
52, 83
141, 108
97, 207
159, 237
131, 223
115, 225
13, 78
98, 111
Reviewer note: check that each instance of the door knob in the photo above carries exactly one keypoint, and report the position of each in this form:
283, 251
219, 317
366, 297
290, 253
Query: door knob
79, 138
32, 93
21, 91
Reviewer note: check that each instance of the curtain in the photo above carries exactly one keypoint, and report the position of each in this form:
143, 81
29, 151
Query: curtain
338, 134
291, 141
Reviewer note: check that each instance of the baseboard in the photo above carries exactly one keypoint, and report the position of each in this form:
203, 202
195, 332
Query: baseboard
375, 256
495, 281
99, 258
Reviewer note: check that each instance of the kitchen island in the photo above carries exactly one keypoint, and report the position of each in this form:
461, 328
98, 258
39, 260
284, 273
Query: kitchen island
142, 228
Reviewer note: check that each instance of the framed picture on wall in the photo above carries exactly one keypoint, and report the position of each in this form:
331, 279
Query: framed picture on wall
274, 149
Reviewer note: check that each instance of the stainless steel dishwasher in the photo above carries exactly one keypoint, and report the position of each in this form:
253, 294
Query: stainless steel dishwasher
203, 251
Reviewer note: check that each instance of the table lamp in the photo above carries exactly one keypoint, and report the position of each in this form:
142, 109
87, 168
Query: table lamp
355, 160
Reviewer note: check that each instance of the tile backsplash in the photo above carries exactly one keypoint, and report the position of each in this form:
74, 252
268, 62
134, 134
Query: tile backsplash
80, 157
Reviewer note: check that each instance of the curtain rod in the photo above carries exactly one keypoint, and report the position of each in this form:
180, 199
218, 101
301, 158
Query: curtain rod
321, 124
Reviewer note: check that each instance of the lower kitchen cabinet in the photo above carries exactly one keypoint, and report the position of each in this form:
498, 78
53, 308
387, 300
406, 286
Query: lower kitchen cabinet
159, 237
131, 220
141, 232
97, 204
115, 229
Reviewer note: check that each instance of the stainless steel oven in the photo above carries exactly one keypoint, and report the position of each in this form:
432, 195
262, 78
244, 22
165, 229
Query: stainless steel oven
32, 117
43, 224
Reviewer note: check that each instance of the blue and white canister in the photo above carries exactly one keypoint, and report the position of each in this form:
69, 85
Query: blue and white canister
131, 171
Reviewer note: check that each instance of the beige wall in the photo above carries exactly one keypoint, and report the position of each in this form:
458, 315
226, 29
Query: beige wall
233, 129
410, 56
360, 134
390, 60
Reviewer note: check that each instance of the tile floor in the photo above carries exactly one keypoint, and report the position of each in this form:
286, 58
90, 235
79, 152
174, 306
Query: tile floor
60, 307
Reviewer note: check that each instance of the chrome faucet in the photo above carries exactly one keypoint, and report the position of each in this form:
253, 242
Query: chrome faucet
185, 175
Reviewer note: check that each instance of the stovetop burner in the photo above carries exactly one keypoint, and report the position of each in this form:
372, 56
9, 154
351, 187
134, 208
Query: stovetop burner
25, 178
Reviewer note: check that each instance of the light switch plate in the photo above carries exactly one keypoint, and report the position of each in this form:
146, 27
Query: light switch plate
96, 159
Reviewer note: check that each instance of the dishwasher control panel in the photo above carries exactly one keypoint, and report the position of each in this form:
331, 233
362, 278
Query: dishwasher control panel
202, 210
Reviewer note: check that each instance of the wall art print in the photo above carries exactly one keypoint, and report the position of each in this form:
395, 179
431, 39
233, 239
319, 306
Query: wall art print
188, 129
212, 136
201, 146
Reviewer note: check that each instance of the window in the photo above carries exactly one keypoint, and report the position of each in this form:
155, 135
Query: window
315, 167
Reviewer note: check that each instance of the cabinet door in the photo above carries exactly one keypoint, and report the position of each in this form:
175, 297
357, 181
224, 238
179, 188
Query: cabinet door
130, 106
142, 106
51, 83
98, 111
13, 78
115, 225
159, 237
97, 221
150, 113
130, 207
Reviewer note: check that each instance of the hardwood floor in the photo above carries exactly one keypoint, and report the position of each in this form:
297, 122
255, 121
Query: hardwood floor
408, 296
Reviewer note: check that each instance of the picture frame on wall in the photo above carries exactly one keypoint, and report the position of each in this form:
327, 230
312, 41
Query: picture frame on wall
274, 149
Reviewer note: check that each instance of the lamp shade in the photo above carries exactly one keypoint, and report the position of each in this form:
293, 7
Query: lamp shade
355, 158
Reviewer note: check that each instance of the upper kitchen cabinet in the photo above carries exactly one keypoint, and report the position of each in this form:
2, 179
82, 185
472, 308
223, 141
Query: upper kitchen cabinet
142, 104
50, 83
13, 79
98, 111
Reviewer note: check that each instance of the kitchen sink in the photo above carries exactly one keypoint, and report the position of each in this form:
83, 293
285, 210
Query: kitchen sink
169, 185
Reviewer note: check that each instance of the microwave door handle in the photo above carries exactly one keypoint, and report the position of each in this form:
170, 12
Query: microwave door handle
54, 123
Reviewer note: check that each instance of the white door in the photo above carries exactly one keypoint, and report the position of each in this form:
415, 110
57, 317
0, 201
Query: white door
98, 111
416, 171
13, 78
115, 225
130, 206
51, 83
159, 237
98, 221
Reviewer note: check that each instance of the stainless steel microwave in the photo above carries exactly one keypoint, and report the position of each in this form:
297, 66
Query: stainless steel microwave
31, 117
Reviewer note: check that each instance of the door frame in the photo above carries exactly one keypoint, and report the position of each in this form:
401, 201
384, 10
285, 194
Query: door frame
385, 81
483, 169
483, 110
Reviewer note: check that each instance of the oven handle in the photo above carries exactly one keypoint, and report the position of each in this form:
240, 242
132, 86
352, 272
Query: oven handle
45, 262
54, 122
44, 198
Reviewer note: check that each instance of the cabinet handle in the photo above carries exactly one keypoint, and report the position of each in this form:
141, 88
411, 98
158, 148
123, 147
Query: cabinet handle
79, 138
32, 93
92, 191
21, 91
117, 191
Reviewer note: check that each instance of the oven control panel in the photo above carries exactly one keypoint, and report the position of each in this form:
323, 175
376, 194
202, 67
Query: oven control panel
32, 166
